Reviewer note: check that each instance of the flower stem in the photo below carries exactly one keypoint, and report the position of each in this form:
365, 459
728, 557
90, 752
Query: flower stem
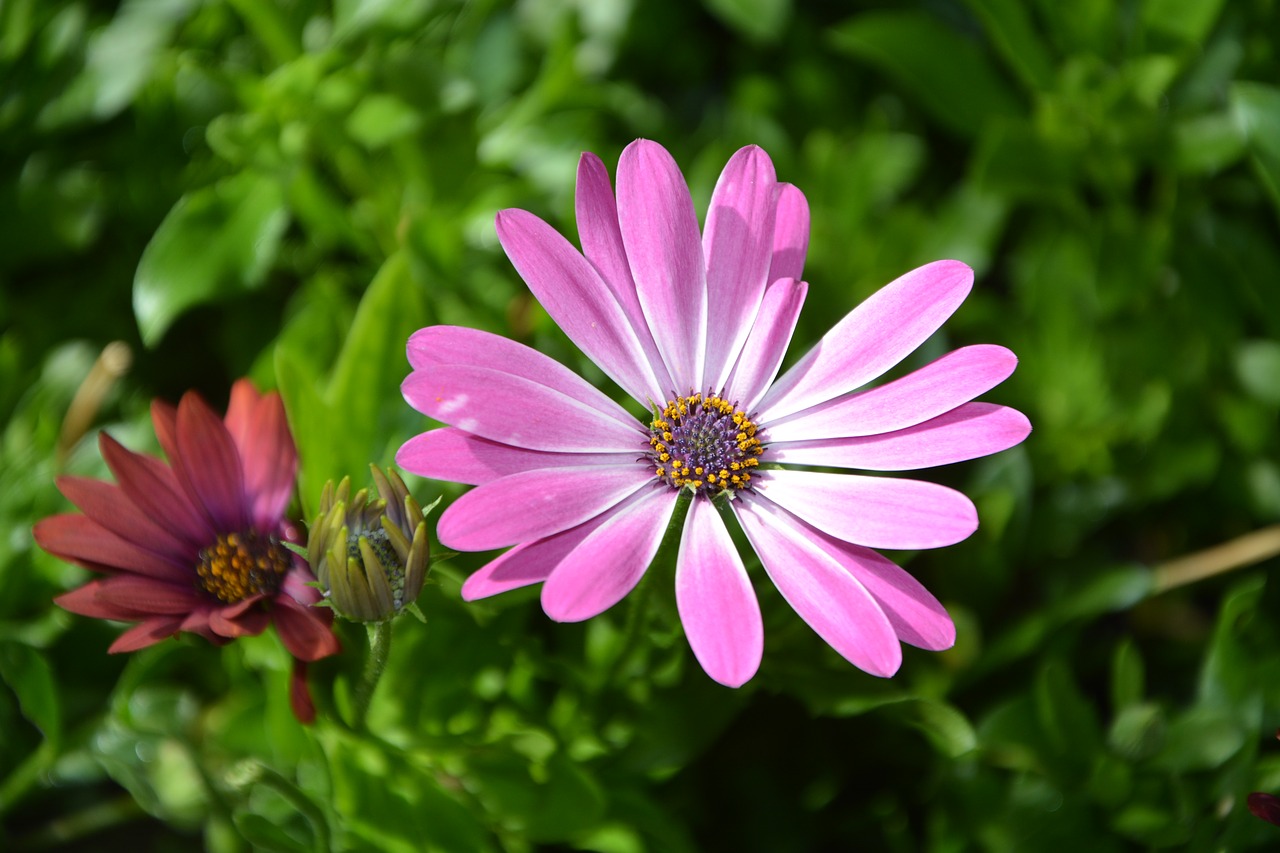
1243, 551
379, 649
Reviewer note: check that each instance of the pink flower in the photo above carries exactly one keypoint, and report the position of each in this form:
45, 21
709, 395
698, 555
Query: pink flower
195, 544
694, 327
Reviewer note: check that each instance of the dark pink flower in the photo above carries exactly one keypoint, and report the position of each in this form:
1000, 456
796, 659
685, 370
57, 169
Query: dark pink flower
195, 544
693, 324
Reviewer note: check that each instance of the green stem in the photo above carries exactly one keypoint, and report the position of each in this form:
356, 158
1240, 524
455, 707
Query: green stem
301, 802
379, 649
666, 555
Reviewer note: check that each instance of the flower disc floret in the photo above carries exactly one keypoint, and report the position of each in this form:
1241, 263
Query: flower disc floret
240, 565
704, 443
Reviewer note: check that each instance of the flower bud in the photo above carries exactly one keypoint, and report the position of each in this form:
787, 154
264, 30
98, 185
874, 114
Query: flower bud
369, 551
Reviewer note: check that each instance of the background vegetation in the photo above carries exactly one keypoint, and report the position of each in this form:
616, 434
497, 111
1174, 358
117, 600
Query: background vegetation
286, 190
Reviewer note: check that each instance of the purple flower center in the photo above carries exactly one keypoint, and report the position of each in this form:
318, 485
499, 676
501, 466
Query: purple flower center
705, 443
240, 565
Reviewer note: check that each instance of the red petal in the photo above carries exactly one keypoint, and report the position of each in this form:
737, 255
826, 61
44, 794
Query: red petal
210, 464
84, 601
240, 623
81, 540
107, 505
153, 487
145, 634
269, 455
305, 631
300, 695
147, 596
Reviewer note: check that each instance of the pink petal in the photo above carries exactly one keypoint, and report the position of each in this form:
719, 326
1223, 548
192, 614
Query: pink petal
828, 598
660, 231
572, 292
764, 348
456, 456
878, 512
601, 239
916, 616
526, 564
872, 338
261, 434
210, 464
738, 244
934, 389
434, 346
106, 505
534, 504
610, 560
152, 487
790, 234
304, 630
147, 633
717, 605
967, 432
516, 411
79, 539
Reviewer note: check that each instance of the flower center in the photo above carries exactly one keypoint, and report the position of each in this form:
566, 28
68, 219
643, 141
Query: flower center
240, 565
705, 443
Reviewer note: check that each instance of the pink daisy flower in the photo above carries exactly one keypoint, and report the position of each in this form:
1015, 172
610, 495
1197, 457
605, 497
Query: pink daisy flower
693, 326
196, 544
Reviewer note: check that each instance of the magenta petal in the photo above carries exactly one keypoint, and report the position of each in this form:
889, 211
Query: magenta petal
601, 238
513, 410
872, 338
660, 231
534, 504
81, 540
790, 234
826, 596
717, 605
434, 346
456, 456
609, 561
878, 512
738, 244
210, 463
762, 353
967, 432
916, 616
573, 293
934, 389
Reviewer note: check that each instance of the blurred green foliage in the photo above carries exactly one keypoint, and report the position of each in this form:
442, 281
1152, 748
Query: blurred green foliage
286, 190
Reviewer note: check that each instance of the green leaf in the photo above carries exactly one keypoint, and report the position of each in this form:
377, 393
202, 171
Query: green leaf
1256, 107
1201, 739
1128, 677
1010, 30
1258, 368
1067, 717
758, 20
1187, 20
215, 242
382, 119
1138, 732
30, 677
1207, 144
949, 74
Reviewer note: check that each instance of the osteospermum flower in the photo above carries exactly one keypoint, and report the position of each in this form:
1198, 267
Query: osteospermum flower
694, 327
196, 544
